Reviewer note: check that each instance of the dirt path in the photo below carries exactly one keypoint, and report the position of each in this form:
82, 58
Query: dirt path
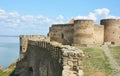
113, 62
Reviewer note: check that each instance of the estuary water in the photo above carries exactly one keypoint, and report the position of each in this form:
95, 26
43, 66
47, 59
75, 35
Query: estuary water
9, 50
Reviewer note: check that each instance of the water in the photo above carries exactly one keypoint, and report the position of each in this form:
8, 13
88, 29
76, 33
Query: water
9, 50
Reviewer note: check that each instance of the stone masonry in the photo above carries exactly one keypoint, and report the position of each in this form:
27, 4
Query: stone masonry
44, 58
85, 32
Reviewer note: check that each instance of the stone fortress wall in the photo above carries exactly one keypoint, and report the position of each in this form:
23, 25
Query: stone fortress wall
85, 32
41, 56
98, 34
44, 58
24, 42
111, 30
62, 33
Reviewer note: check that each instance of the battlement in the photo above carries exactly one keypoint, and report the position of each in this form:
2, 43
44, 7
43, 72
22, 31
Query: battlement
83, 21
61, 25
32, 37
111, 20
89, 20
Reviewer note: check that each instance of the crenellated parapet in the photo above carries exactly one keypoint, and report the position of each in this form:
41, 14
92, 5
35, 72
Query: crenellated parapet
45, 58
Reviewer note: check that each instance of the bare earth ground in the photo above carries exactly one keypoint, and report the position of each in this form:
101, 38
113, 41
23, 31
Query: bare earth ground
113, 62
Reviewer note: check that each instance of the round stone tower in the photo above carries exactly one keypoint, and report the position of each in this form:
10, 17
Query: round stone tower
83, 32
111, 30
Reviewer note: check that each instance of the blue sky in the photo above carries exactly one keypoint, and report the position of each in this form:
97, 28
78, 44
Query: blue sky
36, 16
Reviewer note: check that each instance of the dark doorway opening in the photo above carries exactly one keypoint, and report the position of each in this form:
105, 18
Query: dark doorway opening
62, 36
113, 43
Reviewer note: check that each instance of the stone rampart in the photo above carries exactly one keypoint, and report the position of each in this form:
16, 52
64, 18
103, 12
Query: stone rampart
44, 58
62, 33
24, 42
84, 32
98, 34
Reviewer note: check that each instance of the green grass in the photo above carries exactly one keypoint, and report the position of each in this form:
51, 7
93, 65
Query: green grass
115, 50
95, 62
8, 72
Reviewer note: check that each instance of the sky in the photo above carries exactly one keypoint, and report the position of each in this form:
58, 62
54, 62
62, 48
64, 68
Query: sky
36, 16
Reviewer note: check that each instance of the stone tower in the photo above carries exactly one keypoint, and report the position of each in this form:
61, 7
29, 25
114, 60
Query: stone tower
23, 45
62, 33
111, 30
83, 32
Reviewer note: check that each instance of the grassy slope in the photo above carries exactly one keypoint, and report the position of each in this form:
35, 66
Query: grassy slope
7, 72
115, 50
95, 62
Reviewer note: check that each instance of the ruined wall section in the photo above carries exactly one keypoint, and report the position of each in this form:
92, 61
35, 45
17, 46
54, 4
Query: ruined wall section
68, 34
112, 30
98, 34
62, 33
24, 42
44, 58
83, 32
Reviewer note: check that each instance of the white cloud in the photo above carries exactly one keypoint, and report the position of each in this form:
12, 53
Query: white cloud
102, 11
16, 23
98, 14
2, 11
26, 24
60, 17
113, 17
2, 14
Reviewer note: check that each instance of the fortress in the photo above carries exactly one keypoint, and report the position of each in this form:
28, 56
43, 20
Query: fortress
43, 56
86, 33
40, 57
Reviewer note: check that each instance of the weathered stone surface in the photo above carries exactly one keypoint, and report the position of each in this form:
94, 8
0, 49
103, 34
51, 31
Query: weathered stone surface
85, 33
40, 55
112, 30
44, 58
